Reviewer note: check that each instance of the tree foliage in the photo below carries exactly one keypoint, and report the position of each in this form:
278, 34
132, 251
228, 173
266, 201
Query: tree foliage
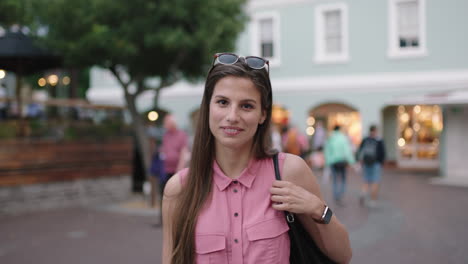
12, 12
141, 39
163, 38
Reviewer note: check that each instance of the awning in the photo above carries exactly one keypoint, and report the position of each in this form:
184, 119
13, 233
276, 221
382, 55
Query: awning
457, 97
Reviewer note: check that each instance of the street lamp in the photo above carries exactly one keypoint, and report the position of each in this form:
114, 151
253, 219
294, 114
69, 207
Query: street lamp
153, 116
53, 81
66, 80
41, 82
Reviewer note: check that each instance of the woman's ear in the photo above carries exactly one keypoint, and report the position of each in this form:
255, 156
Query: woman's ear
262, 118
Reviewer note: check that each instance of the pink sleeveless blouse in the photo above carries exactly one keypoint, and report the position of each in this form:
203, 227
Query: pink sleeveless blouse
238, 224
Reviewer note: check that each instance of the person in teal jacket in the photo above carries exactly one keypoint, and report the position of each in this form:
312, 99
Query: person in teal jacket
338, 155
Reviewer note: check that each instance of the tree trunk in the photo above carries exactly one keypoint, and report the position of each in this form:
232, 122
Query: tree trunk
21, 132
156, 98
19, 101
140, 131
74, 81
138, 124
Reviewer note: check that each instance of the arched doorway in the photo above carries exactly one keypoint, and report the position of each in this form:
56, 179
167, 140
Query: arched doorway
326, 116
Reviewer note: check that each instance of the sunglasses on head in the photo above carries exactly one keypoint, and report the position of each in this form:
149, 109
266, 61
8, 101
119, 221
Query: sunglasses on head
253, 62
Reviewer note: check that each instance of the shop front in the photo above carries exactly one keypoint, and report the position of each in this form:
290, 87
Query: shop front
431, 134
418, 136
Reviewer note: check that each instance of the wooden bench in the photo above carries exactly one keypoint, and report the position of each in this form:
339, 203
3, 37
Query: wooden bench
24, 162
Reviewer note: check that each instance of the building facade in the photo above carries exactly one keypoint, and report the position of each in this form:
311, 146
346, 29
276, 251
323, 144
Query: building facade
394, 63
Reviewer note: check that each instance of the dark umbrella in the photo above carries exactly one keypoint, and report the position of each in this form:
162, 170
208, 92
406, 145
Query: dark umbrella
19, 54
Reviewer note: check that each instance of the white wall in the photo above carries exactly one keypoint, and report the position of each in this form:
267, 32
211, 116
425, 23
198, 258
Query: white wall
456, 142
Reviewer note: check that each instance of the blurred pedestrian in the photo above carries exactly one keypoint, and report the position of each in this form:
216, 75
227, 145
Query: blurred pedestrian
228, 207
3, 102
338, 155
34, 110
317, 159
320, 136
276, 138
295, 142
174, 142
371, 154
157, 172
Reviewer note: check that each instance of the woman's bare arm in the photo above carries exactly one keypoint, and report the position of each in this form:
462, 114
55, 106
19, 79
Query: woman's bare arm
171, 191
300, 193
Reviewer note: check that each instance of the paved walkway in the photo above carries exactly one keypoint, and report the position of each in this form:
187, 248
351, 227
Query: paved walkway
417, 222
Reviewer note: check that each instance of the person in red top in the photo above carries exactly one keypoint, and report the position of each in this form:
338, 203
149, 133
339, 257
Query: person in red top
174, 143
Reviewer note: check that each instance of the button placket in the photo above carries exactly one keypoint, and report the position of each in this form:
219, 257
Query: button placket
236, 220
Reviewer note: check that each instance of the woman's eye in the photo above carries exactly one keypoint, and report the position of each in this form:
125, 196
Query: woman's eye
248, 106
221, 102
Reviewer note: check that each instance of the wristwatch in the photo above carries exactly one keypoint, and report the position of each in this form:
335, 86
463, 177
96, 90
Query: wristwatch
326, 216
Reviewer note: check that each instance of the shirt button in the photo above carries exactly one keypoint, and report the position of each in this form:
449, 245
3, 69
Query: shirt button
236, 182
236, 241
236, 214
235, 190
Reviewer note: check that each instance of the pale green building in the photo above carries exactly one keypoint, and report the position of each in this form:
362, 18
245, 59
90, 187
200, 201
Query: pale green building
399, 64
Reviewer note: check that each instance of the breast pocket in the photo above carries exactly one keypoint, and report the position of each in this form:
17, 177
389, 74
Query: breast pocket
210, 248
268, 241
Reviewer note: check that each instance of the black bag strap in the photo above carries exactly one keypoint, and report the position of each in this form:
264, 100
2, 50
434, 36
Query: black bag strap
289, 216
275, 162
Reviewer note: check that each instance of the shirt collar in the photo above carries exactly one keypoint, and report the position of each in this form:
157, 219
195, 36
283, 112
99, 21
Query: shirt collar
246, 178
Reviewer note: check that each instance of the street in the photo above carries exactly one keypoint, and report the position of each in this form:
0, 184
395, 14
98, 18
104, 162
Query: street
416, 222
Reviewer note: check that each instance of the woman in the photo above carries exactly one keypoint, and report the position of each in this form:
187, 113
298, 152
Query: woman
228, 207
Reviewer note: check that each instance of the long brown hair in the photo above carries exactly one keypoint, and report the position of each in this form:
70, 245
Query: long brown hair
197, 187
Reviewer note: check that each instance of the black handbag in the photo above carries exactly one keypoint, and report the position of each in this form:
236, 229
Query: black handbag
303, 247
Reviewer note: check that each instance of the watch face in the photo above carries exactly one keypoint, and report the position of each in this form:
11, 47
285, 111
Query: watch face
328, 216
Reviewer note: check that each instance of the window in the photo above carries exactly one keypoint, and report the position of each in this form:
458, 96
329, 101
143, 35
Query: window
331, 33
265, 37
407, 28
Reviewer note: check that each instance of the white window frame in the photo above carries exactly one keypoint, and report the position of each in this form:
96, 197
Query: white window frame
255, 43
394, 49
320, 55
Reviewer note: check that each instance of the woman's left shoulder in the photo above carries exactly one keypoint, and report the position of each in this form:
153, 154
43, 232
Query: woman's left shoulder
294, 167
291, 160
296, 171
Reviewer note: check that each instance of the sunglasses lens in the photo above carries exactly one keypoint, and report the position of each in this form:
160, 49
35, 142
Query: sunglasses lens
255, 63
227, 58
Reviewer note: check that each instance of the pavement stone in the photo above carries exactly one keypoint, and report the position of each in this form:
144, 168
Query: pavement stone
416, 222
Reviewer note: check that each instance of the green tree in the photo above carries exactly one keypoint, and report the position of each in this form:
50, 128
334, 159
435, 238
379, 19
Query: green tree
136, 40
12, 12
19, 13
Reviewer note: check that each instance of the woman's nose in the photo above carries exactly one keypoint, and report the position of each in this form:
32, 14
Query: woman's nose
232, 115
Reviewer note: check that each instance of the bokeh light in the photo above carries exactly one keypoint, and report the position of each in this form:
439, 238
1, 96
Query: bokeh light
153, 116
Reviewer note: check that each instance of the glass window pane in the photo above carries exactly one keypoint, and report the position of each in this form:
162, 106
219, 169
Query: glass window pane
333, 23
333, 45
333, 32
266, 30
267, 50
408, 23
266, 37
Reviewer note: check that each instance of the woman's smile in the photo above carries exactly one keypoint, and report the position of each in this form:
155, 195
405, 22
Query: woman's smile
232, 131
